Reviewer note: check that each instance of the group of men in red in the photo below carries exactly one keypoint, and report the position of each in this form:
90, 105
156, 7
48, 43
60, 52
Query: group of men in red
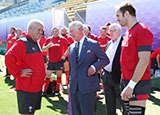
55, 46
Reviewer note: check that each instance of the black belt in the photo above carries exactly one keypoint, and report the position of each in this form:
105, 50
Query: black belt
107, 72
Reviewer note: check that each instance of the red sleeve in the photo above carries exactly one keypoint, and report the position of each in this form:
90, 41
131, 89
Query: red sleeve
14, 56
144, 37
47, 41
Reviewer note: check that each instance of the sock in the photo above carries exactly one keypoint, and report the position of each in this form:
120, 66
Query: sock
136, 110
126, 104
58, 82
46, 84
66, 72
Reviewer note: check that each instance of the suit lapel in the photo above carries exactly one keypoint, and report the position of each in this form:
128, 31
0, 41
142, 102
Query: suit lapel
83, 51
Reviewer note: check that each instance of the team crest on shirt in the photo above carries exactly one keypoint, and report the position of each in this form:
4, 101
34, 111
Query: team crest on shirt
58, 40
125, 43
33, 48
30, 108
130, 35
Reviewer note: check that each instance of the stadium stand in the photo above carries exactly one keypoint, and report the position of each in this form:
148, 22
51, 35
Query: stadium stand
27, 7
73, 6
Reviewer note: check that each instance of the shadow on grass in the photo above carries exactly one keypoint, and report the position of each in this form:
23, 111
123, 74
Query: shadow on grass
153, 98
10, 82
60, 105
100, 108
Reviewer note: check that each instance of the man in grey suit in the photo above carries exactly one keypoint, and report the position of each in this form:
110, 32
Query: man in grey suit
112, 72
86, 57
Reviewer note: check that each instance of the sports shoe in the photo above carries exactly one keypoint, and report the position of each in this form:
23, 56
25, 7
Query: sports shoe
56, 93
44, 94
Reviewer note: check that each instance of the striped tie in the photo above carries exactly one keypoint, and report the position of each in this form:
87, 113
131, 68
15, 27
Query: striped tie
77, 51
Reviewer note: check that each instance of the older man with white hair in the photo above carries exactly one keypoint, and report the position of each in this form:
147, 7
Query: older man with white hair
86, 57
25, 62
112, 72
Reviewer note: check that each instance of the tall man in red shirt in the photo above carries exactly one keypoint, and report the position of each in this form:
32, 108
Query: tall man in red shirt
25, 62
70, 40
10, 41
103, 38
56, 47
135, 60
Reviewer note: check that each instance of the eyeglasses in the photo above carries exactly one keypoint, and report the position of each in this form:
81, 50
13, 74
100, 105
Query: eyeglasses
112, 31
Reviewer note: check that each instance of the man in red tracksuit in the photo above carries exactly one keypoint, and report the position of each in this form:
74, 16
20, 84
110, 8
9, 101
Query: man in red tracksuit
10, 41
24, 61
103, 38
56, 47
70, 40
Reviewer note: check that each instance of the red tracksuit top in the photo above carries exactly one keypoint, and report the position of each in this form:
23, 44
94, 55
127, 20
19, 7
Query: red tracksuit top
25, 54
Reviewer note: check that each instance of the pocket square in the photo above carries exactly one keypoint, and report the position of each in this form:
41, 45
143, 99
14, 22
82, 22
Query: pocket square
88, 51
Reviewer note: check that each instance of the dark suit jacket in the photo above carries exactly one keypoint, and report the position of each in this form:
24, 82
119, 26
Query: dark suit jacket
91, 54
116, 68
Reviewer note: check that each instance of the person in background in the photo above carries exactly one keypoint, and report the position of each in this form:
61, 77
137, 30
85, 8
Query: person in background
25, 62
18, 33
66, 63
90, 35
112, 72
155, 61
103, 39
107, 28
10, 41
86, 57
56, 47
135, 60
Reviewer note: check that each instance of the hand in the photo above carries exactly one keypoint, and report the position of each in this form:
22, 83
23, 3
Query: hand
91, 71
26, 72
126, 94
50, 44
63, 57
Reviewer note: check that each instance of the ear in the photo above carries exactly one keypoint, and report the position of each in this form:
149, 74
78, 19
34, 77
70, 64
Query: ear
126, 14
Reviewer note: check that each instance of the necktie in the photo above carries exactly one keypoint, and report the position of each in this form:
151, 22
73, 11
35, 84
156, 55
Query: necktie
77, 51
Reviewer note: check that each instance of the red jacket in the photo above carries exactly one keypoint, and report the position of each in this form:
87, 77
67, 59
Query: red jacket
25, 54
10, 41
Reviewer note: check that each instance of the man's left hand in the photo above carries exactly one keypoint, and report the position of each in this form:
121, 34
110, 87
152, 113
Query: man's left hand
91, 71
126, 94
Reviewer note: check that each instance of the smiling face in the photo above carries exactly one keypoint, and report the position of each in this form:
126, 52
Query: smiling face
36, 31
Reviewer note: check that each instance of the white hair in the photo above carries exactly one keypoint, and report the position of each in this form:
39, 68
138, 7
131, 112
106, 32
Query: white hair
116, 25
33, 22
76, 25
85, 28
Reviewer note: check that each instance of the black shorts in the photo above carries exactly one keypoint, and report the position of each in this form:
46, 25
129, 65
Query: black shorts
55, 66
45, 59
66, 59
141, 90
28, 102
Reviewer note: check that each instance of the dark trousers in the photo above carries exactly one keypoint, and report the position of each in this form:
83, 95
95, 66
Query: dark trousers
83, 104
112, 91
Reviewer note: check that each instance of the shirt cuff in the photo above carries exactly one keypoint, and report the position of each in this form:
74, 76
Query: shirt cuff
93, 68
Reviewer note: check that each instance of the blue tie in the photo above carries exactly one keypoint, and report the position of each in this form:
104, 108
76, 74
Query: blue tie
77, 51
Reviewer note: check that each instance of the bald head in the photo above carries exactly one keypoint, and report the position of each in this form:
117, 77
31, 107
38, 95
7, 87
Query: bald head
35, 29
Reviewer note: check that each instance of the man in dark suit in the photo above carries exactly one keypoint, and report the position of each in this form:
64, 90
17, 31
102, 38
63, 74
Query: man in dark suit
86, 57
112, 72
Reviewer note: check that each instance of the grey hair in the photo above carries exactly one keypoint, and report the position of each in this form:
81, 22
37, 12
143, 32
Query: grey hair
116, 25
33, 22
85, 28
76, 24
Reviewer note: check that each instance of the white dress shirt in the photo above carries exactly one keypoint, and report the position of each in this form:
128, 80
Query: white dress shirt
80, 48
111, 51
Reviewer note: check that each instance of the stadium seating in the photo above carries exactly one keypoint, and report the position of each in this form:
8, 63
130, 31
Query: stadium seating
29, 7
74, 5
